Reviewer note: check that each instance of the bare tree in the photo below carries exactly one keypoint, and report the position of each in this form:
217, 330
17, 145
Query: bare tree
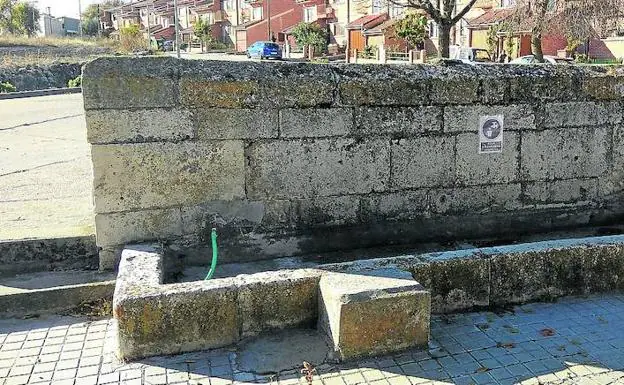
574, 19
443, 12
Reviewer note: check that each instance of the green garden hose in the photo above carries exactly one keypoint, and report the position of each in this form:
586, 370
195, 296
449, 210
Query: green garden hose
213, 264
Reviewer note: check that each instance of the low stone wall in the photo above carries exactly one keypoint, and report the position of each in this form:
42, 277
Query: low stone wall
300, 158
31, 78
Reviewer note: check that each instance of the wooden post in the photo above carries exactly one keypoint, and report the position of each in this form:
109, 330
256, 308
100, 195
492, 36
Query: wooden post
355, 55
423, 55
382, 54
410, 56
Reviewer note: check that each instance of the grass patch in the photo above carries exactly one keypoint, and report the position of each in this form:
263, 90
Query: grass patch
61, 42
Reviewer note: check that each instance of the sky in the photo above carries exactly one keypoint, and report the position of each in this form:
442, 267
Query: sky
62, 7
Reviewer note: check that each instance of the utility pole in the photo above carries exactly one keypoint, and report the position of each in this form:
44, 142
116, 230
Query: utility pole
80, 18
149, 32
269, 17
177, 32
99, 20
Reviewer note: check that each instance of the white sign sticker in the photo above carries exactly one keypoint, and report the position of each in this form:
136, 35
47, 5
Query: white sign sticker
491, 134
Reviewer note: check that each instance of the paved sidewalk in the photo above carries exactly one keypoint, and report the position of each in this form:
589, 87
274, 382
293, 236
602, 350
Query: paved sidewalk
574, 341
45, 168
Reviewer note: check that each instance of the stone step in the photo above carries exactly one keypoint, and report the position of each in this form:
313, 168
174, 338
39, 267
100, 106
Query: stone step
48, 292
367, 315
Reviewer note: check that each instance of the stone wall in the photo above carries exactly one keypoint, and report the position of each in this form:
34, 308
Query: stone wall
32, 78
300, 158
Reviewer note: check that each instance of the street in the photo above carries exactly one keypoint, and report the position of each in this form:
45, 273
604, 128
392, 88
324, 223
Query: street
45, 168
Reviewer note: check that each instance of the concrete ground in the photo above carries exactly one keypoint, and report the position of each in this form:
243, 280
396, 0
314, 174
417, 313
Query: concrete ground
45, 168
574, 341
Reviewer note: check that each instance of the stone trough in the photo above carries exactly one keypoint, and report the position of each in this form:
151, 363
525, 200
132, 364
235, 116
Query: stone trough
365, 307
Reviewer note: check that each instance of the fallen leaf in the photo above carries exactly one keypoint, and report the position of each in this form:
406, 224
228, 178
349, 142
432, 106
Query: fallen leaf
506, 345
483, 369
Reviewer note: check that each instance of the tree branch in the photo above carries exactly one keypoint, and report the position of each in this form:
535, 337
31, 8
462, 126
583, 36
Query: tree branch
463, 12
426, 6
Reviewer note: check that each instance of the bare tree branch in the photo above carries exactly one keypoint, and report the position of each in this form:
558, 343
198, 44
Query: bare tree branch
463, 12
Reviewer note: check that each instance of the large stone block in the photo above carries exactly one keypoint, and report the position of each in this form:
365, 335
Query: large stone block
476, 199
146, 175
300, 169
564, 154
372, 85
212, 93
121, 83
150, 125
456, 284
454, 90
370, 315
315, 122
404, 205
276, 300
231, 215
552, 84
329, 211
397, 120
608, 87
580, 114
561, 191
423, 162
475, 169
136, 226
466, 118
228, 123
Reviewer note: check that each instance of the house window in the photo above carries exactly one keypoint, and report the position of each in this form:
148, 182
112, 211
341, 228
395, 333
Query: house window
309, 14
257, 13
433, 29
377, 6
209, 18
508, 3
396, 10
338, 2
227, 5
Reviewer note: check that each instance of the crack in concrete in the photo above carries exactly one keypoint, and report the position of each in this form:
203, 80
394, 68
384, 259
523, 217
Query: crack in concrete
41, 166
40, 122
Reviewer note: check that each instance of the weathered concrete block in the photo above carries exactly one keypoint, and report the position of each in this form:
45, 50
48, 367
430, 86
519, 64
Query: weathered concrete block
561, 191
453, 90
227, 123
154, 320
580, 114
368, 315
474, 168
397, 120
456, 283
608, 87
140, 176
300, 169
573, 153
119, 83
315, 123
372, 85
151, 125
212, 93
136, 226
547, 84
236, 214
476, 199
423, 162
404, 205
329, 211
278, 300
466, 118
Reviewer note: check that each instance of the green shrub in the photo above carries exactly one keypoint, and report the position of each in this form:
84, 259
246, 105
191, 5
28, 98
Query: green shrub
7, 87
77, 82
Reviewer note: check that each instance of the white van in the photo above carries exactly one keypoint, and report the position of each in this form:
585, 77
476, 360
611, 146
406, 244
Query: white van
469, 54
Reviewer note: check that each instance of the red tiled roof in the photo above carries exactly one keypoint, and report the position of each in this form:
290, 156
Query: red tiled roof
381, 27
368, 21
490, 17
164, 33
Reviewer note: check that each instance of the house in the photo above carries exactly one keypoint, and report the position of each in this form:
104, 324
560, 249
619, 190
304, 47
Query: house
275, 19
59, 26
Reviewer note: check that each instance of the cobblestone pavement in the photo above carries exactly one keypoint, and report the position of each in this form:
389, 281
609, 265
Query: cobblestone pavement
574, 341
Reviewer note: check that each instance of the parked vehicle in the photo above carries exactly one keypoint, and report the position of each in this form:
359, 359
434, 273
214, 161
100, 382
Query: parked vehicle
530, 59
470, 55
264, 50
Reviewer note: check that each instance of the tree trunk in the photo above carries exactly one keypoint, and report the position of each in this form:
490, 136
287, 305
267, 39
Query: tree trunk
444, 40
536, 47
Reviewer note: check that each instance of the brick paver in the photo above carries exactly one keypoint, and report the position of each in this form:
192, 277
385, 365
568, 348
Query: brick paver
574, 341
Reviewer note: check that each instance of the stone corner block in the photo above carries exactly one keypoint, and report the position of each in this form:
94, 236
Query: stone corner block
371, 315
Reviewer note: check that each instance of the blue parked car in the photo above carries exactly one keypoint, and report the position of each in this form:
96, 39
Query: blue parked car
264, 50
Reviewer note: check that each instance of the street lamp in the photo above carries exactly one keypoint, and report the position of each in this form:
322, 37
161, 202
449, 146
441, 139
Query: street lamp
177, 32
